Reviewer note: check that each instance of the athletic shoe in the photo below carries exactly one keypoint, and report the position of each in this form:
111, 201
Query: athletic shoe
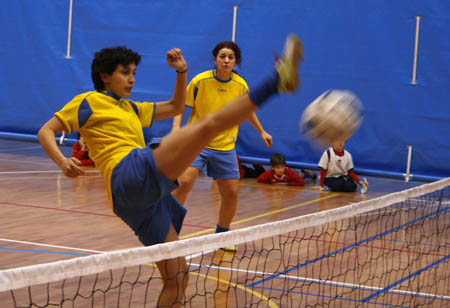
232, 249
287, 66
309, 174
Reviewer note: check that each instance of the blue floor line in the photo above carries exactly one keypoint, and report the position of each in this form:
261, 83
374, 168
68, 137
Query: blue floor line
335, 298
351, 246
406, 278
45, 251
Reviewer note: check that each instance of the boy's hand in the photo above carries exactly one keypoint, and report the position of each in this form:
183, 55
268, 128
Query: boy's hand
176, 60
364, 186
70, 167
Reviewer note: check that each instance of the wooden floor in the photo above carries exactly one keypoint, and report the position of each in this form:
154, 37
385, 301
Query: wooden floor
46, 217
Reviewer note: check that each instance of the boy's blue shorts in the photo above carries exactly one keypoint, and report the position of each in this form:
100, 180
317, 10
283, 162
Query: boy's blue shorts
142, 197
217, 164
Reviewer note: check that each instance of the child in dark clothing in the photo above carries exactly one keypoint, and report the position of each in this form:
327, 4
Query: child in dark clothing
248, 172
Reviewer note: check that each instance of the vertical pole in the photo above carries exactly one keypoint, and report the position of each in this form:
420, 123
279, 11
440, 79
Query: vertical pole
408, 175
62, 138
69, 31
233, 35
416, 51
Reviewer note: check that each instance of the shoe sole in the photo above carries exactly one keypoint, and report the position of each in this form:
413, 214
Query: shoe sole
288, 65
229, 249
293, 49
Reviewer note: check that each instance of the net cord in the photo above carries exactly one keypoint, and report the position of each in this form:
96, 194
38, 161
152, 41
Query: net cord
11, 279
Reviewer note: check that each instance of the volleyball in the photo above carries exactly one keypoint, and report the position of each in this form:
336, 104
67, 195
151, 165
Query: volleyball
334, 114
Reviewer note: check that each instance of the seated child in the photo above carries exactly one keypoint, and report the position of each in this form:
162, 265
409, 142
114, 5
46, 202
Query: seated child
81, 152
336, 170
279, 173
248, 172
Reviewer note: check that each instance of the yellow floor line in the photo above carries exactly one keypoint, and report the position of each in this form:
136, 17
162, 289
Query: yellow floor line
333, 195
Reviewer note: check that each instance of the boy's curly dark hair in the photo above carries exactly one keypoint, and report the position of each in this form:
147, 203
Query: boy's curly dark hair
106, 61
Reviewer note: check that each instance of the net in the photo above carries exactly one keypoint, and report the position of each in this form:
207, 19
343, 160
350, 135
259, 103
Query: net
391, 251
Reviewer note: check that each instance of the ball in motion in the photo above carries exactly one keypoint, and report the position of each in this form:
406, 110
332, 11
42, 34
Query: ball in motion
335, 114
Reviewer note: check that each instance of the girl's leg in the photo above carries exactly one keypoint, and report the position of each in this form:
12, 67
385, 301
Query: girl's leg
228, 189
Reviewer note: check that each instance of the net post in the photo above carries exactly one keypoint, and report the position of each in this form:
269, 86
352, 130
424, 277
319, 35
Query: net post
233, 35
69, 30
62, 138
416, 51
408, 175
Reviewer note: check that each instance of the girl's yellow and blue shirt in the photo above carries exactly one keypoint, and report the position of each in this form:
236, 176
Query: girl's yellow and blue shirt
207, 94
111, 127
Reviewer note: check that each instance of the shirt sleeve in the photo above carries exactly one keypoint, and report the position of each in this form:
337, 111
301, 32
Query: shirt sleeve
146, 112
323, 174
68, 115
323, 162
352, 174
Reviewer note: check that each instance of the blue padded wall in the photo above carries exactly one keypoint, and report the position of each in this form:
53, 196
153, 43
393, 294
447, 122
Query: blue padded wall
364, 46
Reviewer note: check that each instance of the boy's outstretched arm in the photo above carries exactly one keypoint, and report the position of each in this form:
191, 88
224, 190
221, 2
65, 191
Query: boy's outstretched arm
46, 135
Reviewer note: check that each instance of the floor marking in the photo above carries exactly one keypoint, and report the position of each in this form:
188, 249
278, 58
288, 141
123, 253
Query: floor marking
48, 245
264, 215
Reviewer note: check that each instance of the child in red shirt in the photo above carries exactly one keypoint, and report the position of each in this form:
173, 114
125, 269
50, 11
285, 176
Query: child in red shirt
279, 173
81, 152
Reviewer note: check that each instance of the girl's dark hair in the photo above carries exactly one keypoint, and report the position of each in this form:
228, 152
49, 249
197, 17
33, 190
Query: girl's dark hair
230, 45
277, 159
106, 61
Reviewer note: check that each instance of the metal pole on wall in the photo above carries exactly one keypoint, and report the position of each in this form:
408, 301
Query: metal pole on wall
416, 51
69, 31
233, 35
62, 138
408, 175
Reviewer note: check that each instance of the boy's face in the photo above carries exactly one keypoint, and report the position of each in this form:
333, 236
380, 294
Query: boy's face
121, 81
278, 169
338, 145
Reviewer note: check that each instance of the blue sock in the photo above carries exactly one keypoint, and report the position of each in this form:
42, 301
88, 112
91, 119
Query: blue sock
220, 229
264, 90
